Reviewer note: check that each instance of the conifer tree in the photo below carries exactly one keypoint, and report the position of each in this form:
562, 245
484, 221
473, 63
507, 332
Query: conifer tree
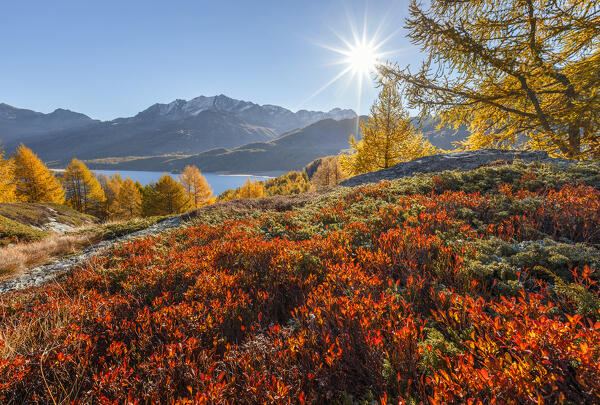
515, 72
33, 181
111, 186
329, 173
196, 187
166, 197
251, 189
388, 137
128, 202
7, 179
82, 189
290, 183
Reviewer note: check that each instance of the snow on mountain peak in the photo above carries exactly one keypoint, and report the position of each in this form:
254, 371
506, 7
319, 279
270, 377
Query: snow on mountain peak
268, 115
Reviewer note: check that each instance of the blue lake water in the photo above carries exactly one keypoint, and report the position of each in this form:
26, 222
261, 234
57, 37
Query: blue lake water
218, 182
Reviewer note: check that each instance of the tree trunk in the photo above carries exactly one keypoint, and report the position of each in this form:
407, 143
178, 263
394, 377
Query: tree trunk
574, 142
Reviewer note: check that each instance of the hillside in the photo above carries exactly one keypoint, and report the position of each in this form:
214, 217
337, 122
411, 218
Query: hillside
179, 127
452, 287
291, 151
25, 222
20, 125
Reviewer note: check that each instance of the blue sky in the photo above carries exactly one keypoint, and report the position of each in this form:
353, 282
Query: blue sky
111, 58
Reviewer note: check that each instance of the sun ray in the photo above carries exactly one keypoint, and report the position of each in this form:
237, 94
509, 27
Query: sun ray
325, 86
361, 53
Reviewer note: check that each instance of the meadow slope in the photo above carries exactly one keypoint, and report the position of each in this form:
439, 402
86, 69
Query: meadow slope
444, 287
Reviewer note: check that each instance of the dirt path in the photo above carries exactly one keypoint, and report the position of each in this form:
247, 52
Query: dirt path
41, 274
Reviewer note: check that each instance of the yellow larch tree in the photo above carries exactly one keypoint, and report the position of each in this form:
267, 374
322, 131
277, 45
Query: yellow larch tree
166, 197
196, 187
33, 181
7, 179
111, 186
128, 201
251, 189
517, 73
329, 173
82, 189
388, 137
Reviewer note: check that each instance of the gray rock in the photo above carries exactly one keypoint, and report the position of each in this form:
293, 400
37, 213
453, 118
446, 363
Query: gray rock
464, 160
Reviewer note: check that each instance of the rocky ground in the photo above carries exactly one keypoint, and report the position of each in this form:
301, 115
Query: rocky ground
41, 274
464, 160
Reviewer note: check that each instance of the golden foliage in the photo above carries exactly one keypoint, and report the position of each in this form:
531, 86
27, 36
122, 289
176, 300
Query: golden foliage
388, 137
166, 197
7, 184
517, 73
196, 187
252, 189
128, 201
34, 182
329, 172
290, 183
82, 189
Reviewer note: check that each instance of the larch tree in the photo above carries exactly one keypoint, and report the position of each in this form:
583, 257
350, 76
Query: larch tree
293, 182
516, 72
251, 189
388, 136
128, 201
111, 186
329, 172
165, 197
82, 189
33, 181
7, 179
196, 187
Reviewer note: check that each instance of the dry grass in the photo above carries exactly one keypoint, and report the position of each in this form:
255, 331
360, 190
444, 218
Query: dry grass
21, 256
24, 338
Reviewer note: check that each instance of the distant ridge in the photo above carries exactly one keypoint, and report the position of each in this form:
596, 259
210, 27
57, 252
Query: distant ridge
290, 151
179, 127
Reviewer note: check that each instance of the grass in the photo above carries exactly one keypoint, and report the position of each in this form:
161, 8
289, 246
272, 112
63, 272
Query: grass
38, 214
22, 222
117, 229
37, 247
12, 231
21, 256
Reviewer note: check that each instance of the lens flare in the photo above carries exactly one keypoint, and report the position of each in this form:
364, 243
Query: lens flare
362, 58
360, 55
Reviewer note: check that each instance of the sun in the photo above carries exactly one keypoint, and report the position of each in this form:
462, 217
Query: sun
362, 58
360, 55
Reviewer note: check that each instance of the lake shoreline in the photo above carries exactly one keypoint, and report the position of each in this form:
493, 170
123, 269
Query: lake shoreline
219, 182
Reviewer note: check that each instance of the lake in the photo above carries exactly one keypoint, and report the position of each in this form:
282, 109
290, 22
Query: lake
218, 182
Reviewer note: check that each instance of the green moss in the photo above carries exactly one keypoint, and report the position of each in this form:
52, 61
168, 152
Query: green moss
498, 262
12, 231
111, 231
434, 349
38, 214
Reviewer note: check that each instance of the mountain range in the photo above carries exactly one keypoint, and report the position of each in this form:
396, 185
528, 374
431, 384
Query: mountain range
179, 127
217, 134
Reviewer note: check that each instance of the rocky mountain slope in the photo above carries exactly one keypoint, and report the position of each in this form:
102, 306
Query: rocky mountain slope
464, 160
20, 125
180, 127
437, 288
291, 151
